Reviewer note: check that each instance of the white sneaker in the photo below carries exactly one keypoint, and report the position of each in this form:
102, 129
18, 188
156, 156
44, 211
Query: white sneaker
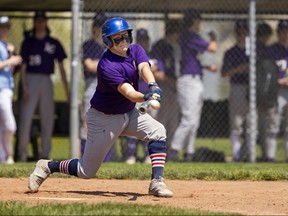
158, 188
39, 175
131, 160
10, 160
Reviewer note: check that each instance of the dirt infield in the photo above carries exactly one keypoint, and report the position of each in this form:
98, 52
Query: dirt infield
245, 197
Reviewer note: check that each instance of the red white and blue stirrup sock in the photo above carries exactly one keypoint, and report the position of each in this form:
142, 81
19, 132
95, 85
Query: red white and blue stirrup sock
157, 152
68, 167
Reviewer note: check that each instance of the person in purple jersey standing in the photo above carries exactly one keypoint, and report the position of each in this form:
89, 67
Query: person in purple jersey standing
7, 120
279, 52
167, 53
39, 52
235, 65
113, 112
93, 49
266, 120
189, 84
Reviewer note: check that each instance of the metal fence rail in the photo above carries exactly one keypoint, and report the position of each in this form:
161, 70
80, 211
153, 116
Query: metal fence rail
215, 121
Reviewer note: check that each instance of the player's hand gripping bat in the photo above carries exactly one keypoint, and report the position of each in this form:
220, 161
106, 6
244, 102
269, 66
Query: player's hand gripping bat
154, 104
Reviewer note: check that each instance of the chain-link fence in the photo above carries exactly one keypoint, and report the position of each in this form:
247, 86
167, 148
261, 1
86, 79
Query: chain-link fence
218, 117
60, 28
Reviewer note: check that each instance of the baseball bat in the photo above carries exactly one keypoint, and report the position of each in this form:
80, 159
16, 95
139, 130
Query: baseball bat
144, 107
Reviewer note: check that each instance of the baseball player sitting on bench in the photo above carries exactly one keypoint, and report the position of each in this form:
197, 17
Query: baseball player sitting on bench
113, 113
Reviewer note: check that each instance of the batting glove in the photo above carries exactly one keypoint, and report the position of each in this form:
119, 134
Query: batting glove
155, 90
154, 93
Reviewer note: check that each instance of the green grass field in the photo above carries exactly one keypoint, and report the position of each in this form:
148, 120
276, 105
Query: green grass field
180, 171
97, 209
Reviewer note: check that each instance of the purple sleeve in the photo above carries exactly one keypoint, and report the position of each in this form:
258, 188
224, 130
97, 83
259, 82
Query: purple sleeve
160, 65
60, 53
23, 52
85, 50
226, 62
91, 50
140, 54
197, 43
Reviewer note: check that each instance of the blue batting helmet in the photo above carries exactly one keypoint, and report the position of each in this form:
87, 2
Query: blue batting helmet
114, 26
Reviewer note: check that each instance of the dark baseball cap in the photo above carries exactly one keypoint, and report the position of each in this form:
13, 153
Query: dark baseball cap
173, 26
282, 25
40, 14
263, 29
5, 21
191, 14
99, 19
241, 24
142, 34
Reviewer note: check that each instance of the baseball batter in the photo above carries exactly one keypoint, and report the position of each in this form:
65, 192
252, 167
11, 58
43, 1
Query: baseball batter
7, 120
113, 113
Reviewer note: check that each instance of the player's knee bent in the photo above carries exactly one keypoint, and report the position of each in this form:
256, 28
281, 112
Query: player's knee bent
86, 172
160, 133
157, 147
86, 175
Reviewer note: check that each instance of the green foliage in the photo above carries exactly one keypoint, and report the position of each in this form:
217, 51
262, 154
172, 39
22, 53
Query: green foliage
17, 208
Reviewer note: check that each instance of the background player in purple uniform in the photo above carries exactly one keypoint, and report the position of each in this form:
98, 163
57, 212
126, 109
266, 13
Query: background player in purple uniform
7, 119
113, 113
39, 53
279, 52
189, 84
235, 65
266, 122
165, 51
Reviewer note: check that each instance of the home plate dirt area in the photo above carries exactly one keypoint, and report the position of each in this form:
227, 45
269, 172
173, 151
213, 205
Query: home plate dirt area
245, 197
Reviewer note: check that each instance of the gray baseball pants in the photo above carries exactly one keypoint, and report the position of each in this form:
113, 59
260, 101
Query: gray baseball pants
190, 98
103, 131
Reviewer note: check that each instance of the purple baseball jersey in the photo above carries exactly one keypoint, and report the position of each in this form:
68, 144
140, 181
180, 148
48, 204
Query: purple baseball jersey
234, 57
191, 44
94, 51
164, 53
113, 70
39, 54
279, 53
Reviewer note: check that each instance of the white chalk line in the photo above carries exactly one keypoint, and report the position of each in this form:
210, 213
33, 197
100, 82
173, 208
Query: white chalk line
58, 198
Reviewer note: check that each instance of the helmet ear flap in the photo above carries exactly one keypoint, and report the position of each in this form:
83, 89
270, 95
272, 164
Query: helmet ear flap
130, 36
107, 41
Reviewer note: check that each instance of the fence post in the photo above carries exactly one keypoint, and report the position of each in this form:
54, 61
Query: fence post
74, 107
252, 82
